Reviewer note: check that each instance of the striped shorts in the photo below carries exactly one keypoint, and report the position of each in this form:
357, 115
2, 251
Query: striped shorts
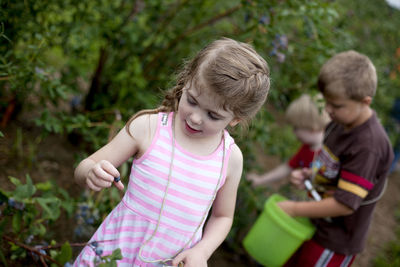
313, 254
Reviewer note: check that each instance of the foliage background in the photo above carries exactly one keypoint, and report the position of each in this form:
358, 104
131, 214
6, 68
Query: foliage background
82, 68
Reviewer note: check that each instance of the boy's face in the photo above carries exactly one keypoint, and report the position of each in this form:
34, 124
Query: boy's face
309, 137
347, 112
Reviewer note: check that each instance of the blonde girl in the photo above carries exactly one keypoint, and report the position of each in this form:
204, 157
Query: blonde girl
185, 161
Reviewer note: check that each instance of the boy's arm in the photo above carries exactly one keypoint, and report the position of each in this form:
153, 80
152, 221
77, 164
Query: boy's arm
327, 207
280, 172
221, 218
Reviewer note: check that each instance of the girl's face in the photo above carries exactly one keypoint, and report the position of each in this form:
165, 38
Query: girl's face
201, 114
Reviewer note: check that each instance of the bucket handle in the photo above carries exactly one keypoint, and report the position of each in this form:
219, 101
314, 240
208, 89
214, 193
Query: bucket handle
315, 195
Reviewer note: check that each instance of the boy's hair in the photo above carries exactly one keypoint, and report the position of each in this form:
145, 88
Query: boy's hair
351, 72
232, 70
307, 112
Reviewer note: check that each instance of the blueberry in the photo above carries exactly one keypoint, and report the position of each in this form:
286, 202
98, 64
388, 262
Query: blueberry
15, 204
264, 20
84, 207
117, 179
11, 202
280, 57
89, 220
78, 231
99, 251
95, 244
273, 52
29, 239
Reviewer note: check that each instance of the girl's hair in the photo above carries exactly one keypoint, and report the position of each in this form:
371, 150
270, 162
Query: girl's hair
307, 112
349, 73
233, 70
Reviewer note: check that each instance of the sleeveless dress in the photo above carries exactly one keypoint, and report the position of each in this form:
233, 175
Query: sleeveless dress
190, 191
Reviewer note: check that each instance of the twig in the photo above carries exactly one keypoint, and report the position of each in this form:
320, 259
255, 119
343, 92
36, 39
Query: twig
32, 249
75, 244
42, 261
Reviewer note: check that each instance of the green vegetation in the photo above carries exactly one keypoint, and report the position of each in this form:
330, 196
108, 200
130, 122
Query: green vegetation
82, 68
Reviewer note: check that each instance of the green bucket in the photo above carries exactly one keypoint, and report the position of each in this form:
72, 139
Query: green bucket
275, 236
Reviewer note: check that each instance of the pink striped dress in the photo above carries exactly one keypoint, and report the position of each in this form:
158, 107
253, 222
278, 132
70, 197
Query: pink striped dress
191, 189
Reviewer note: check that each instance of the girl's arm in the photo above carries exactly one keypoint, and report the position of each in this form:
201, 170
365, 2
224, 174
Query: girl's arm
220, 221
99, 169
327, 207
280, 172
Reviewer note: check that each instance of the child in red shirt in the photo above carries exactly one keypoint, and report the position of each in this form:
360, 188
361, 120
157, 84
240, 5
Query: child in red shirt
308, 121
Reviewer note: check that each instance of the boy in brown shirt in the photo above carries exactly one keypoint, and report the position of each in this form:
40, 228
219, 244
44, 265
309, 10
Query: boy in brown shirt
354, 163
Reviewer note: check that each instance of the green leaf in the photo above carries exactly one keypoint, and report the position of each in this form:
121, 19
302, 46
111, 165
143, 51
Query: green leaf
16, 222
3, 258
51, 207
116, 255
15, 181
4, 195
39, 230
3, 224
68, 206
23, 191
44, 186
65, 254
30, 187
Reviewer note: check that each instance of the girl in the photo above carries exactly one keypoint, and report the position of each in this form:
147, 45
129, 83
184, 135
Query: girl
184, 162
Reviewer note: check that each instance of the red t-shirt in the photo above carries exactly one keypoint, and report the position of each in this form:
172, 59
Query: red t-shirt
303, 158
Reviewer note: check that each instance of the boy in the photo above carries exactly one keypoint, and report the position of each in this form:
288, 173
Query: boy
308, 121
354, 160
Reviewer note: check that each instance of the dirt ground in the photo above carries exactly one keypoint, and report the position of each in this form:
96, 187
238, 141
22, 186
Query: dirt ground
53, 157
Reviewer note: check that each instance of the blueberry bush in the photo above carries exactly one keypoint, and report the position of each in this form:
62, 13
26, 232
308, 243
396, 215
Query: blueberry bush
82, 68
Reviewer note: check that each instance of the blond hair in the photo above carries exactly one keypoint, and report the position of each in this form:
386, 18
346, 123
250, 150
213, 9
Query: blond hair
231, 69
307, 112
351, 72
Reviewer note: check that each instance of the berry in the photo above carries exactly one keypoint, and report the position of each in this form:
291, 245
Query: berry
264, 20
29, 239
280, 57
117, 179
89, 220
99, 251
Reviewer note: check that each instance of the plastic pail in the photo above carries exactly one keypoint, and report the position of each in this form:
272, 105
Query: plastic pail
275, 236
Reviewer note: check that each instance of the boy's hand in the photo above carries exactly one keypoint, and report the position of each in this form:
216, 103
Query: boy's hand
298, 176
254, 178
288, 207
101, 175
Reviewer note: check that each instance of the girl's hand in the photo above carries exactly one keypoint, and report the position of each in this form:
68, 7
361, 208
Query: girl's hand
298, 176
190, 258
101, 175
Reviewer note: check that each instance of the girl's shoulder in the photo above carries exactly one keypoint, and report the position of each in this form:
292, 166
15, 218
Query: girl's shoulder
143, 128
236, 157
235, 164
145, 119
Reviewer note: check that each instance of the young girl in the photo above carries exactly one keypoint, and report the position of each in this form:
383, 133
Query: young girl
184, 162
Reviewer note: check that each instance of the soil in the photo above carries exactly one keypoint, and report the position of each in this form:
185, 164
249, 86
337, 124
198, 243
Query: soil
53, 158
